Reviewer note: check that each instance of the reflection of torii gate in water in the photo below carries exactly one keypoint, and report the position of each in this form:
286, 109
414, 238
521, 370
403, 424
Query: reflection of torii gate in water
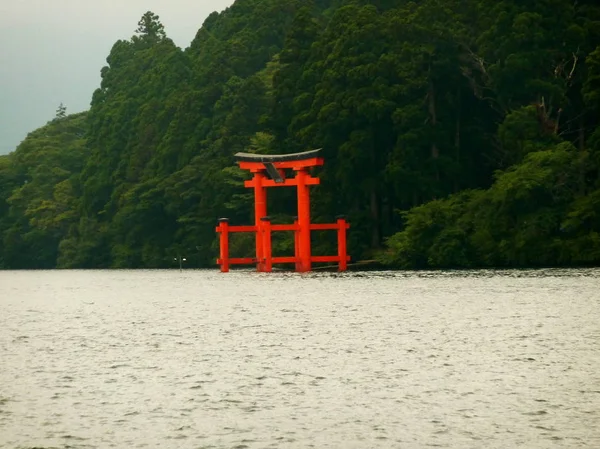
269, 171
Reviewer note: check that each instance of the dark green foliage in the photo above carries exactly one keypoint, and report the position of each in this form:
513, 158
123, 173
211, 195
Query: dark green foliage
531, 64
531, 216
38, 193
455, 133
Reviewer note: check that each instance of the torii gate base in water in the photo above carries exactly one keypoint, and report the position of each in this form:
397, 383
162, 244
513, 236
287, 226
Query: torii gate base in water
270, 171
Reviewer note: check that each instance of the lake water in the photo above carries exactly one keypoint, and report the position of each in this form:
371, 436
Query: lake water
200, 359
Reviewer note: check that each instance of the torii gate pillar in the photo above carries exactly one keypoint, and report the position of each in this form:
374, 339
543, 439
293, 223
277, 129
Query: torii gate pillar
304, 263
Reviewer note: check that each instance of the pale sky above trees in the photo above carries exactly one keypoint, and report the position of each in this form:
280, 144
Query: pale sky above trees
51, 52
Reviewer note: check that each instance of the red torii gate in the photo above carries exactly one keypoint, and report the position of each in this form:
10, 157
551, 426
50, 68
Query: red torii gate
269, 171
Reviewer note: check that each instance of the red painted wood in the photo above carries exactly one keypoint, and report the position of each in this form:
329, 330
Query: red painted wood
290, 182
224, 246
242, 228
285, 227
242, 260
323, 227
284, 259
296, 245
304, 263
342, 226
296, 165
260, 210
327, 258
267, 250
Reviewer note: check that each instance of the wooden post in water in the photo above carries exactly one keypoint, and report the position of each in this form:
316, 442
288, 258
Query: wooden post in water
260, 210
296, 244
266, 241
304, 263
223, 230
341, 234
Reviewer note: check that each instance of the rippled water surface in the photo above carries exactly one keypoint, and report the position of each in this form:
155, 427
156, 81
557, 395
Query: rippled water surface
200, 359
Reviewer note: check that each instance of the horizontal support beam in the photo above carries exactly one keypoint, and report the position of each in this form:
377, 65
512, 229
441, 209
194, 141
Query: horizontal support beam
296, 165
248, 228
292, 259
326, 226
310, 181
285, 227
288, 182
282, 259
327, 258
239, 261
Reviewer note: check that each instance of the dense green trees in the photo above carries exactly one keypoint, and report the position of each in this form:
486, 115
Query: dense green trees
39, 192
456, 134
532, 65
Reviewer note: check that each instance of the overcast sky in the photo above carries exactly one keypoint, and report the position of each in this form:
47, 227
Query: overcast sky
51, 51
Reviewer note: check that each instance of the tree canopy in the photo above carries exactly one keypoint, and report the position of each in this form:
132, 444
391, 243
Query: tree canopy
455, 134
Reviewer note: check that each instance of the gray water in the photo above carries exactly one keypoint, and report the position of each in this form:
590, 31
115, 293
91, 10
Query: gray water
200, 359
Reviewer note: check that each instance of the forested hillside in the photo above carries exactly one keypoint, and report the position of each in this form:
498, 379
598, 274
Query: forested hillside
455, 134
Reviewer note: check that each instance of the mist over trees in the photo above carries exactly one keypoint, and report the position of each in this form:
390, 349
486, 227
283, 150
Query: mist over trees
455, 134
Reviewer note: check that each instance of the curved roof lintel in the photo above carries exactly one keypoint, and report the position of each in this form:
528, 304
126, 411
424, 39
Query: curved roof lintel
251, 157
